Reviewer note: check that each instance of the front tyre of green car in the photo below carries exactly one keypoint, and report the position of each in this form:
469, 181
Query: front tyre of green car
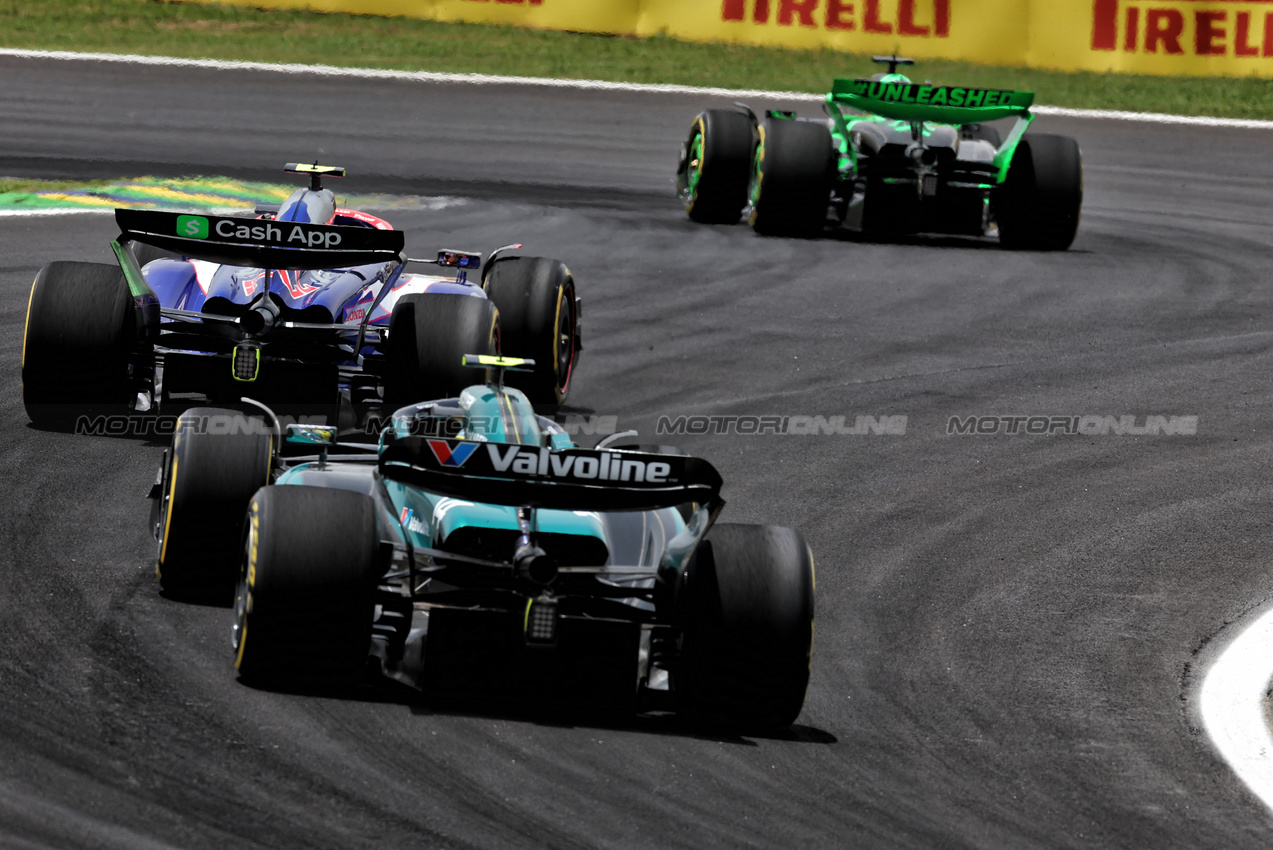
715, 167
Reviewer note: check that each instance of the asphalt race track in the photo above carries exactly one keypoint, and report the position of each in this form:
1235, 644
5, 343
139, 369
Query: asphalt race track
1008, 625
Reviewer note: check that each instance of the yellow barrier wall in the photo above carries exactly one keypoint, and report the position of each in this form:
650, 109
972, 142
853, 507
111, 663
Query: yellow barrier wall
1185, 37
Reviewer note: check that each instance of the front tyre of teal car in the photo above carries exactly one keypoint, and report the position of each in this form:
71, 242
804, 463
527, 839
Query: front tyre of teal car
218, 459
715, 167
75, 350
1039, 204
792, 178
303, 608
747, 609
539, 320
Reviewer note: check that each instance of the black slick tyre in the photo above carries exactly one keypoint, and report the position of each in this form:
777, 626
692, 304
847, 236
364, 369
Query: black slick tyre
218, 459
75, 350
428, 336
748, 629
1039, 204
715, 166
538, 319
304, 604
791, 183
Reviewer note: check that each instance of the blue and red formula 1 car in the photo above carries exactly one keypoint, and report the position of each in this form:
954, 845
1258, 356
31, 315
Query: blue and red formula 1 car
307, 304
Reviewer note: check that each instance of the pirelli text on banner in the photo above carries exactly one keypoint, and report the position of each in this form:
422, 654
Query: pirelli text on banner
1176, 37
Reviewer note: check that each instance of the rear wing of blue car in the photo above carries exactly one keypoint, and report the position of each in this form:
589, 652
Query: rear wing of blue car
565, 479
260, 243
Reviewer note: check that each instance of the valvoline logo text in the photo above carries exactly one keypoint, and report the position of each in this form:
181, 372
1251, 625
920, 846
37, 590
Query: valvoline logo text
448, 456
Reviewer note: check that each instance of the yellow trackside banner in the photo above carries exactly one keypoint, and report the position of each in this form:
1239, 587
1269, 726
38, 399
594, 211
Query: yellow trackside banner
1180, 37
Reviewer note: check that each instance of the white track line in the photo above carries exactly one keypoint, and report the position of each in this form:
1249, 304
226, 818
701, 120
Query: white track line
585, 85
1232, 703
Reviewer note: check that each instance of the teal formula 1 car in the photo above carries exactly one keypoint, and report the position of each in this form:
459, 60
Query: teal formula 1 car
473, 551
892, 157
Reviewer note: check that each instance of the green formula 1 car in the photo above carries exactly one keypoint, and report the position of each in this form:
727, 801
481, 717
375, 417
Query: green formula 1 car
892, 157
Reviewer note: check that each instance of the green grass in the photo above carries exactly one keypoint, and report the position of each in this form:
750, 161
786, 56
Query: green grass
233, 32
8, 185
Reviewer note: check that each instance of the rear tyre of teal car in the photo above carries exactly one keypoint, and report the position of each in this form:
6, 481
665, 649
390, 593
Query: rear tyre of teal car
303, 608
538, 319
715, 166
1039, 204
75, 350
428, 337
791, 180
217, 461
748, 629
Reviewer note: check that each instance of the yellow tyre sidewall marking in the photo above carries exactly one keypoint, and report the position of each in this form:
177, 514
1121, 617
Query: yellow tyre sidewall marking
701, 128
172, 493
253, 529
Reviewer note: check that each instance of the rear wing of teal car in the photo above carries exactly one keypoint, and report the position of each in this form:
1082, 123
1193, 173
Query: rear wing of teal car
556, 479
919, 103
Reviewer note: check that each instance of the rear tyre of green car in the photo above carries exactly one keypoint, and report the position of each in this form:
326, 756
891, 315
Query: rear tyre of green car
716, 166
1039, 204
791, 181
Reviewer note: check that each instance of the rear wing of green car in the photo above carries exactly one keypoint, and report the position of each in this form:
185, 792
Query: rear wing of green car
918, 103
939, 104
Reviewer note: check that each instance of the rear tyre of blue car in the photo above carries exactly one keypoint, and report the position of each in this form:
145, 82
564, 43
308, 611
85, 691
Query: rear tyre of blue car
428, 336
791, 181
75, 351
1039, 204
748, 629
715, 166
538, 319
303, 608
218, 459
